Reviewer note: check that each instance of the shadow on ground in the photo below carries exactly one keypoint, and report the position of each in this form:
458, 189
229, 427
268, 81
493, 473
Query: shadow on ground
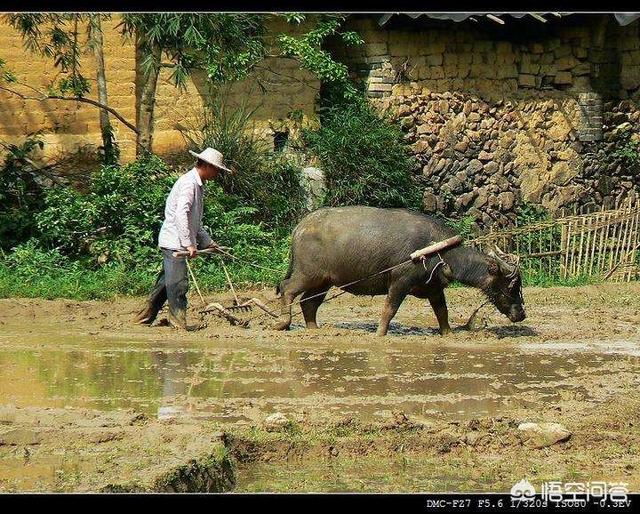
395, 328
513, 331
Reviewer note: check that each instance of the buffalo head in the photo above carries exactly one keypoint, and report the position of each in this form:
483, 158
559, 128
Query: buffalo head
504, 284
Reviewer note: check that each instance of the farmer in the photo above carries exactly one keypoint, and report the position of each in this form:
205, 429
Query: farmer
182, 230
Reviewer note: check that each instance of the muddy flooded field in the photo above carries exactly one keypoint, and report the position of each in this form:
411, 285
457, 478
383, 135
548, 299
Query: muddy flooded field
85, 394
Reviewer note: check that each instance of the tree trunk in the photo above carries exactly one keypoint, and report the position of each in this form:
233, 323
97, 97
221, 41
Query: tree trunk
146, 84
111, 153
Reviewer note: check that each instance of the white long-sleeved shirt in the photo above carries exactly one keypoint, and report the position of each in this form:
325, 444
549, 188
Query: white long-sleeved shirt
182, 226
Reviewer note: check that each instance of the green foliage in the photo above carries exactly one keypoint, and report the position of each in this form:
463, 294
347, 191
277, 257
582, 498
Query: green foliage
263, 179
110, 150
627, 150
224, 45
104, 243
364, 159
118, 219
28, 259
307, 49
537, 278
56, 36
31, 271
21, 192
6, 75
465, 226
528, 213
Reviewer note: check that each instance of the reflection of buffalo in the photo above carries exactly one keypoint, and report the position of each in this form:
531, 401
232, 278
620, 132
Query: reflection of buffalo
335, 246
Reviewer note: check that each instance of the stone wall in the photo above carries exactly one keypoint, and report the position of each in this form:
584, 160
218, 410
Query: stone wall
497, 116
485, 158
276, 89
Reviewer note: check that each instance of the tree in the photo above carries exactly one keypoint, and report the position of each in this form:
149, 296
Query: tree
57, 36
111, 150
224, 46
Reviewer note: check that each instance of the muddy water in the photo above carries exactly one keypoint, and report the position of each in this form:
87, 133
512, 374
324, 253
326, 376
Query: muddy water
577, 354
233, 383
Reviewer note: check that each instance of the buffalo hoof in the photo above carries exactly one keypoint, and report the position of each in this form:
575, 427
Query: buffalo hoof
445, 331
281, 325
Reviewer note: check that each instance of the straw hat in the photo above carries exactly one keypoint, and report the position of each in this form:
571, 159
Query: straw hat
213, 157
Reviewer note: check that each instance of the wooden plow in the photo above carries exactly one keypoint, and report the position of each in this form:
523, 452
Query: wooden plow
239, 304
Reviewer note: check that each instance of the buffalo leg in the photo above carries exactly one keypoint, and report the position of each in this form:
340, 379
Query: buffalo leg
290, 288
439, 306
395, 296
310, 307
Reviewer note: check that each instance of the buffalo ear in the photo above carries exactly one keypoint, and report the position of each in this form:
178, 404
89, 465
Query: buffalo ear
493, 267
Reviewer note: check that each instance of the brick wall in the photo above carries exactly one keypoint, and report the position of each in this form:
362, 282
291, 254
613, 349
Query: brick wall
276, 89
494, 61
500, 116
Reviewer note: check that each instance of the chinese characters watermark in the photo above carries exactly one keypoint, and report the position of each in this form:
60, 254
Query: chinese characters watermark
571, 493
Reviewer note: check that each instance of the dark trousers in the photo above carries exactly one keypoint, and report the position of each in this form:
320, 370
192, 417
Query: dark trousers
172, 284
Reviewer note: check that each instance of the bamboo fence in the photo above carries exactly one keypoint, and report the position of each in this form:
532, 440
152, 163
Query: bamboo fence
603, 243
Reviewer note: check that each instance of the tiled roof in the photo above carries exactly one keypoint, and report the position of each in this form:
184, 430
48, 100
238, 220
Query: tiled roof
501, 18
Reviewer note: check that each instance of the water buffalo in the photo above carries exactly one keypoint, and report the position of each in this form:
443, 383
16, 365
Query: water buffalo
337, 245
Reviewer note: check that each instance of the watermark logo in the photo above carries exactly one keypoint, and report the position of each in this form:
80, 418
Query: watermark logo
603, 493
523, 490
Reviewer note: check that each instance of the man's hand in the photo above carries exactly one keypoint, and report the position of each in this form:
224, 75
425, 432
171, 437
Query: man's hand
193, 251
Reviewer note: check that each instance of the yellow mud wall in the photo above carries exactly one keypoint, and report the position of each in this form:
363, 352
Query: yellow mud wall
276, 89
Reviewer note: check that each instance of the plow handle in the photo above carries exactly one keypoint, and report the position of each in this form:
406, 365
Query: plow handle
436, 247
184, 253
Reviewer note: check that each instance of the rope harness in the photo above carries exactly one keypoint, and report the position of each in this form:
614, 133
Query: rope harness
439, 263
418, 256
422, 259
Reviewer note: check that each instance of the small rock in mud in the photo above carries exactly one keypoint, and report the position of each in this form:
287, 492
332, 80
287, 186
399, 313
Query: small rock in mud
276, 421
473, 424
471, 438
400, 418
139, 418
541, 435
400, 421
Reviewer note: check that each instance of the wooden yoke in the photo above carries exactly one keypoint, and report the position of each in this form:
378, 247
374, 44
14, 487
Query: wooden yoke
436, 247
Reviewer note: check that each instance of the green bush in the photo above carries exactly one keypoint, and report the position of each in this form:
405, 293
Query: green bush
528, 213
364, 159
32, 271
264, 179
465, 226
118, 219
21, 192
104, 243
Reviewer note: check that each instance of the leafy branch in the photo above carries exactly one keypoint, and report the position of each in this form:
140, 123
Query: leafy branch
307, 49
225, 46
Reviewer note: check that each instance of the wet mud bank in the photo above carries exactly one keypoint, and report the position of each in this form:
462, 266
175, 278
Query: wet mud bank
87, 450
81, 450
478, 455
89, 401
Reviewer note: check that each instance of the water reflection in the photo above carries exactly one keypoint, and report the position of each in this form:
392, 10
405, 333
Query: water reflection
170, 369
245, 383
